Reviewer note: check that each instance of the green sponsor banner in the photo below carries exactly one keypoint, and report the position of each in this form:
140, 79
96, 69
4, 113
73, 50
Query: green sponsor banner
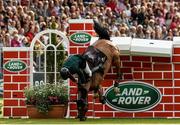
15, 66
80, 37
134, 96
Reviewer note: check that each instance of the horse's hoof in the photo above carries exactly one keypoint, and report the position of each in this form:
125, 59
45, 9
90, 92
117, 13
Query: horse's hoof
82, 118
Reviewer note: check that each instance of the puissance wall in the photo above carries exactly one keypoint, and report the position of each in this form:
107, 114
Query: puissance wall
16, 73
161, 72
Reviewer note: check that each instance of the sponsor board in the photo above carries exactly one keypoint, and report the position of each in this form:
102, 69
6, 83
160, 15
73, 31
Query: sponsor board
133, 96
80, 38
15, 66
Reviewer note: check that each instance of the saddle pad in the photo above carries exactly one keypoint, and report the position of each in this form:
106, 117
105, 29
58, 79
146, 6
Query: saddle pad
94, 56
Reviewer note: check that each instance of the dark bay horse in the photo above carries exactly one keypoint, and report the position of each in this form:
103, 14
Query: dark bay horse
112, 54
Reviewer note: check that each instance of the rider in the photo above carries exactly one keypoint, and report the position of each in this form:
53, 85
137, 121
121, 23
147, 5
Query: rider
75, 64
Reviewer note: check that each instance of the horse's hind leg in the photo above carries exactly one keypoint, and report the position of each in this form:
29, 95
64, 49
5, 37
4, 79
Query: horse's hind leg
82, 104
101, 97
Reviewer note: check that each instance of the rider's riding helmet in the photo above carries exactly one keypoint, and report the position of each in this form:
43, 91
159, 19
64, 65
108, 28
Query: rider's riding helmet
64, 73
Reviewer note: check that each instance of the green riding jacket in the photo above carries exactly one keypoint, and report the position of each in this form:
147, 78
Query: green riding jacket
76, 64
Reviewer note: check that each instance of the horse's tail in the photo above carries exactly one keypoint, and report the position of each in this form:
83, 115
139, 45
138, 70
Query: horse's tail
101, 31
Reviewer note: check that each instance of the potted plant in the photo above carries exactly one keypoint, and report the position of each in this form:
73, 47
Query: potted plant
47, 101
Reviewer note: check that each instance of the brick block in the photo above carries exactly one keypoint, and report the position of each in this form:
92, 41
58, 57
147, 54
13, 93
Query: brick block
177, 67
176, 59
26, 71
23, 86
73, 90
98, 107
73, 113
73, 50
162, 67
104, 114
107, 83
7, 94
177, 75
137, 75
124, 58
168, 91
73, 106
128, 76
152, 75
22, 102
169, 107
167, 75
176, 107
9, 72
167, 99
75, 44
142, 69
163, 83
147, 81
176, 91
77, 26
163, 114
147, 65
123, 115
131, 64
144, 114
161, 59
18, 95
7, 78
89, 113
177, 99
111, 76
72, 84
159, 107
10, 54
141, 58
73, 97
24, 54
20, 78
177, 83
10, 86
6, 111
176, 50
124, 70
13, 102
81, 50
88, 26
177, 114
19, 111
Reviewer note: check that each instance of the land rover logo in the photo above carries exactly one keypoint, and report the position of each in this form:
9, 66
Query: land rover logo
80, 38
134, 96
15, 66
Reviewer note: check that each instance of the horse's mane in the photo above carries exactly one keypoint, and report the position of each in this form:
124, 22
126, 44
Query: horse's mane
101, 31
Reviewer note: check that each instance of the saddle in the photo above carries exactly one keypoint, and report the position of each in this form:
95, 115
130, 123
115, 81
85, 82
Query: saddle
94, 57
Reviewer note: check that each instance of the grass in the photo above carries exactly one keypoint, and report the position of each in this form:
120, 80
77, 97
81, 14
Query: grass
90, 121
1, 102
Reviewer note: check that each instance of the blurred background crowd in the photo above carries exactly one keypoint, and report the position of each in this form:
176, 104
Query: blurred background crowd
21, 20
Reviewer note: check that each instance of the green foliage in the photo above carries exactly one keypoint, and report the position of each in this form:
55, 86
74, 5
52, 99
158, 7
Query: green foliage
44, 96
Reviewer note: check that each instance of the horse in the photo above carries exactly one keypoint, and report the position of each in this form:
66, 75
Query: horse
105, 51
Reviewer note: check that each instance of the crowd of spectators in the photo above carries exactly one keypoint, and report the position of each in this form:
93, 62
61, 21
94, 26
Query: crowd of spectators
21, 20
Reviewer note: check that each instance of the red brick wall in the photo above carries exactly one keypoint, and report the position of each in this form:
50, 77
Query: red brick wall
161, 72
14, 84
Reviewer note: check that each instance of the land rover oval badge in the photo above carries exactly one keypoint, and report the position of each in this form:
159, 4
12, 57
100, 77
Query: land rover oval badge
134, 96
15, 66
80, 38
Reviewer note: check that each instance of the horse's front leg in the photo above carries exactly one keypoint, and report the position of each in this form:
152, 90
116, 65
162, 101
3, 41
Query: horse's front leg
82, 103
